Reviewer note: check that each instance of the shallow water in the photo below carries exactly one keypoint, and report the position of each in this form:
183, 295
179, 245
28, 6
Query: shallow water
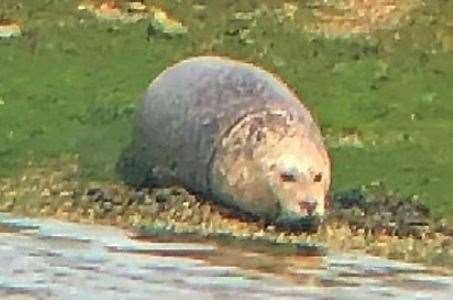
48, 259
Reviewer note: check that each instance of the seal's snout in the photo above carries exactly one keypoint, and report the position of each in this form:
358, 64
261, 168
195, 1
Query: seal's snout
308, 205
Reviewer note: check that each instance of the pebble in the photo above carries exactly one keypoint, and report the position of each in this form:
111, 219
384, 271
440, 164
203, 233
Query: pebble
9, 28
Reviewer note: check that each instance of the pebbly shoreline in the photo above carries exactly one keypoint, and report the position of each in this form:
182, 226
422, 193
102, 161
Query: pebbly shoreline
370, 220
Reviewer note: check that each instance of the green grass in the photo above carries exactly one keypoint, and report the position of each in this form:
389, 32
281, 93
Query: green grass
70, 87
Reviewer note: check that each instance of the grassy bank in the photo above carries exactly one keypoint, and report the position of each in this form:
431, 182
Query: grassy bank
384, 102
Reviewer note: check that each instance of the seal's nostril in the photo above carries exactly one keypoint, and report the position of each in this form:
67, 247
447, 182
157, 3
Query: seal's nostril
318, 177
308, 205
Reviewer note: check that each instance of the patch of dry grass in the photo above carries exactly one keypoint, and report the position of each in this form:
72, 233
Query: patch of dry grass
350, 17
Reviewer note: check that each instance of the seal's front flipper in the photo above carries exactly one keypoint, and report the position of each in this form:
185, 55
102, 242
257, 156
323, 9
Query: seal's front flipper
132, 170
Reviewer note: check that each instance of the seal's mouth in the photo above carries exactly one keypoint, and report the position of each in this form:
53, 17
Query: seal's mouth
309, 223
292, 221
308, 206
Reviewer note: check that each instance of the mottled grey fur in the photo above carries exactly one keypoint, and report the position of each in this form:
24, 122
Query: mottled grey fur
187, 111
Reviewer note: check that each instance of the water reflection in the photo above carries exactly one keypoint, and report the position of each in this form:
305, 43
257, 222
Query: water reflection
47, 259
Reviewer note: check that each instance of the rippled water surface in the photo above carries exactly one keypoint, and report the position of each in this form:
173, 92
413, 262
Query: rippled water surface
47, 259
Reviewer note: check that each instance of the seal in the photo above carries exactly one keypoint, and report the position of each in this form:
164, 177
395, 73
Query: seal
232, 132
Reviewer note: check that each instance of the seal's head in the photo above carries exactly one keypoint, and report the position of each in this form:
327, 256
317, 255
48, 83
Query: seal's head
273, 166
298, 172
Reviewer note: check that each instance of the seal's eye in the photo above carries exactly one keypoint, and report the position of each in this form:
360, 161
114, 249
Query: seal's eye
287, 177
318, 177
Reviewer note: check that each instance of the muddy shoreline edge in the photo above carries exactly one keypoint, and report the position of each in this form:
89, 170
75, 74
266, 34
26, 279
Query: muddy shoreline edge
54, 190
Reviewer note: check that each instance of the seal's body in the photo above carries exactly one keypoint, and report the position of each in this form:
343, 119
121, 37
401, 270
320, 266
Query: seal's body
233, 132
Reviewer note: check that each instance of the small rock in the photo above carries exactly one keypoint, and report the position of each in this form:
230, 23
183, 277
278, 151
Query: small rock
136, 6
108, 194
67, 205
357, 242
8, 206
287, 12
45, 193
66, 193
118, 210
246, 16
148, 211
131, 12
107, 206
162, 198
149, 200
95, 194
163, 24
98, 210
117, 200
198, 7
109, 10
9, 28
